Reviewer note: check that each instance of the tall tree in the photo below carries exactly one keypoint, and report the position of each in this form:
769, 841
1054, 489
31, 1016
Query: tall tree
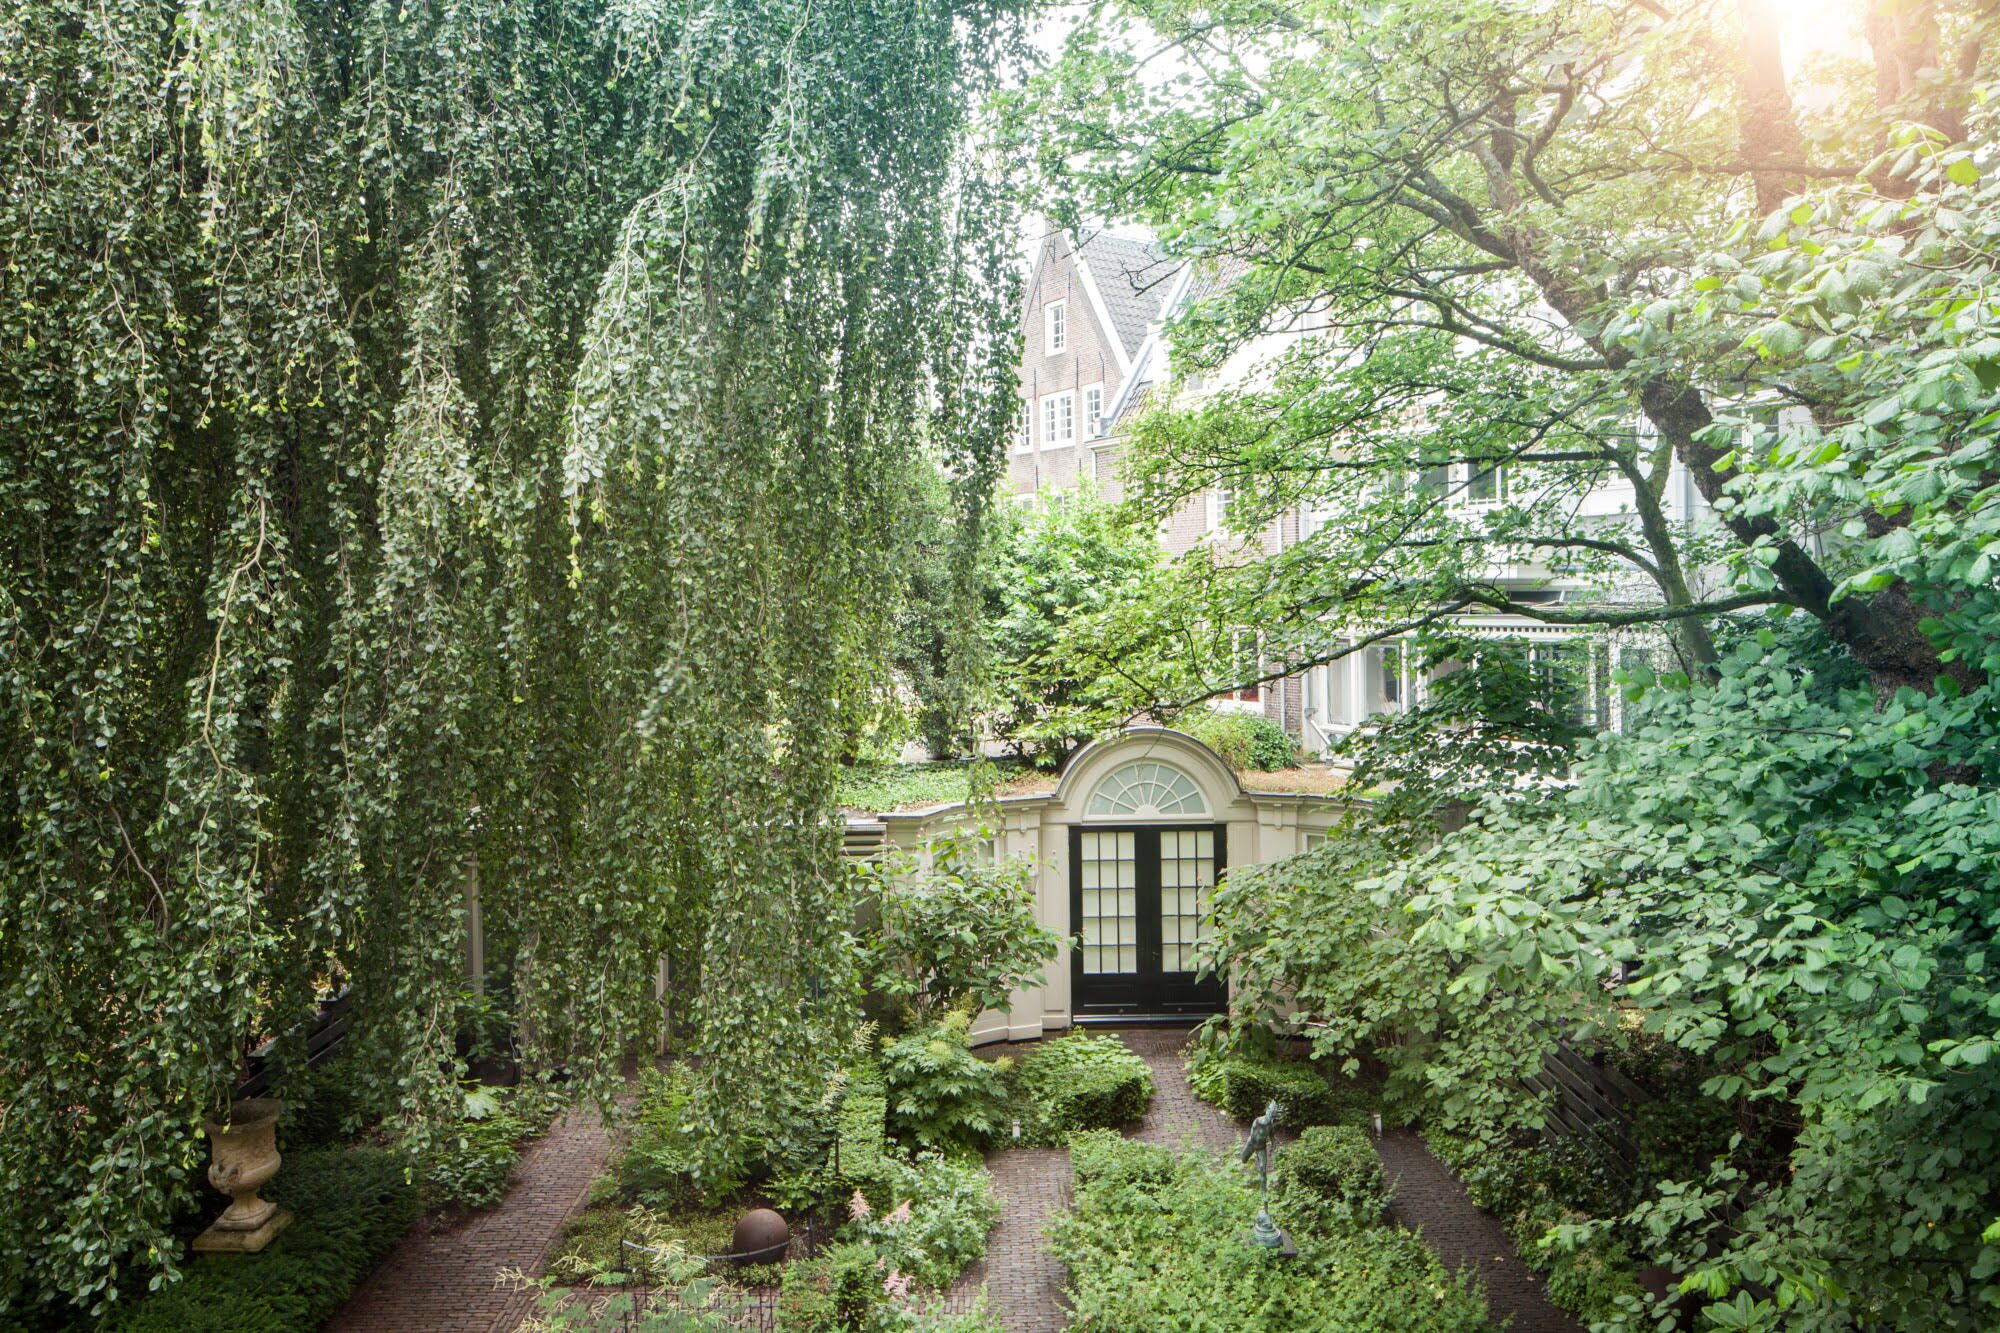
445, 436
1495, 216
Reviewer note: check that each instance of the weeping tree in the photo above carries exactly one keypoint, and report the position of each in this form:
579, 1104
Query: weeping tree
447, 439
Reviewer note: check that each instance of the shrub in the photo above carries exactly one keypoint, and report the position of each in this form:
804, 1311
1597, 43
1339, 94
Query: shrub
471, 1165
349, 1207
1157, 1242
1082, 1082
957, 929
1104, 1157
1243, 1083
662, 1166
1244, 740
837, 1292
941, 1095
1595, 1279
1332, 1173
929, 1218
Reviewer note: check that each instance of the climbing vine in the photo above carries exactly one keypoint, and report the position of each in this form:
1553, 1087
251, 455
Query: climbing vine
448, 441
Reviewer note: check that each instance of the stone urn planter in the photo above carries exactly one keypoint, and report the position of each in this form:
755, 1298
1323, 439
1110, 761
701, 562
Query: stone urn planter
245, 1152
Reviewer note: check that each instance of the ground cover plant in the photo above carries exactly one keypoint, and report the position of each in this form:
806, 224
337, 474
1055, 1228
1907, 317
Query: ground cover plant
349, 1207
1156, 1240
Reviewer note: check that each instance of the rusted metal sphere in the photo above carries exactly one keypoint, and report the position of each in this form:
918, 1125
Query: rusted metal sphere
760, 1237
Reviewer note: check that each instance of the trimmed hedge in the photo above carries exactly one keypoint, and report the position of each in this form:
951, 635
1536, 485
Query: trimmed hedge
1157, 1241
1242, 1083
350, 1207
1332, 1172
1082, 1082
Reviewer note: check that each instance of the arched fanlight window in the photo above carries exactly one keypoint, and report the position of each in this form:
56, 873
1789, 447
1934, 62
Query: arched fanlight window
1145, 790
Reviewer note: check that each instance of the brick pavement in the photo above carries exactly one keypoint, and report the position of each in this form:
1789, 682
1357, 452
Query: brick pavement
1431, 1201
445, 1281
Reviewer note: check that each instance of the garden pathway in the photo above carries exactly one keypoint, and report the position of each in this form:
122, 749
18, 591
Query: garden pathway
1023, 1280
446, 1281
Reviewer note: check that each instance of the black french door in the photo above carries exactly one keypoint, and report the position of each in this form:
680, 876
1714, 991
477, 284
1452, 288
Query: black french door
1137, 893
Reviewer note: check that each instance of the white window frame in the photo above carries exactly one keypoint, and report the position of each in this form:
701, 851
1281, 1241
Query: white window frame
1468, 471
1058, 409
1219, 500
1055, 327
1024, 437
1093, 412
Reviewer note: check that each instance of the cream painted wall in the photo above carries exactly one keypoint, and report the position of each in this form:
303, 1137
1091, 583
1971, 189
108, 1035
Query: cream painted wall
1260, 827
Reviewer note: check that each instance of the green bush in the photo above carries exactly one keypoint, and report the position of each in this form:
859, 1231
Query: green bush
1162, 1242
1244, 740
1081, 1082
471, 1165
1332, 1173
661, 1164
1106, 1158
1243, 1082
349, 1208
1531, 1191
941, 1095
928, 1218
837, 1292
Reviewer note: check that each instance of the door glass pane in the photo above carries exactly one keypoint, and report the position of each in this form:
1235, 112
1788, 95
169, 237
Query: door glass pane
1110, 874
1187, 872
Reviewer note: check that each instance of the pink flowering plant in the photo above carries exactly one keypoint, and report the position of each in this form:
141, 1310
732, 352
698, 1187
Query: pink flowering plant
942, 1210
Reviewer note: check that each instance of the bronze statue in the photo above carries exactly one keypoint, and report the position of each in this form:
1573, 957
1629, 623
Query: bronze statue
1266, 1232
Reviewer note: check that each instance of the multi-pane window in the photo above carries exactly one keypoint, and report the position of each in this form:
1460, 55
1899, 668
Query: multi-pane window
1058, 419
1025, 440
1110, 927
1055, 325
1093, 410
1187, 872
1147, 790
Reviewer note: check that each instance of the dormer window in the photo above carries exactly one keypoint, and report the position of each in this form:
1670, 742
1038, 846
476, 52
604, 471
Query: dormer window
1055, 326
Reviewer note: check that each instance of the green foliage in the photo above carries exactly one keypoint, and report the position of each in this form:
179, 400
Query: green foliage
1546, 1205
1303, 938
678, 1297
349, 1208
840, 1291
874, 788
662, 1164
1244, 740
1332, 1172
510, 482
470, 1165
1490, 720
941, 1095
1157, 1241
863, 1133
1067, 556
927, 1218
957, 930
1798, 890
1079, 1081
1243, 1082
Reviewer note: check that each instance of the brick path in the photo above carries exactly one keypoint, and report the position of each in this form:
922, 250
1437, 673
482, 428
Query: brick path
1431, 1200
443, 1281
1024, 1282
